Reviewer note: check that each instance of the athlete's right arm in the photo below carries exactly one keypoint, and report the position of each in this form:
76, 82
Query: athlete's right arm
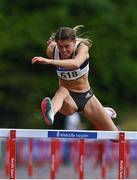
50, 48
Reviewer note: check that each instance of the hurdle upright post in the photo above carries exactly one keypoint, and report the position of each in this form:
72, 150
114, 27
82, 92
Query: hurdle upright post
53, 159
82, 152
121, 174
21, 153
30, 164
103, 168
12, 155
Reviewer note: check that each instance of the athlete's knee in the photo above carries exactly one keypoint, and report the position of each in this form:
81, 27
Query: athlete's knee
63, 90
67, 111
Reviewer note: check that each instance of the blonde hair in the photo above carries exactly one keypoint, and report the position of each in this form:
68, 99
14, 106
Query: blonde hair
65, 33
85, 41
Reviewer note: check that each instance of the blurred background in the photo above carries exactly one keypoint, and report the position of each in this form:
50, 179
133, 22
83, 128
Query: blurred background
25, 27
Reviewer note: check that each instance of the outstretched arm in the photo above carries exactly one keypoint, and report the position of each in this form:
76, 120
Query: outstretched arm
81, 56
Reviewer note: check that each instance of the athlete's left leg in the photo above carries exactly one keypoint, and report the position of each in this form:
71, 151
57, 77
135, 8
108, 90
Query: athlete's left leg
95, 112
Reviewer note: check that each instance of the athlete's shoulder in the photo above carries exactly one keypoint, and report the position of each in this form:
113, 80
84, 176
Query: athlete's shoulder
84, 44
82, 48
50, 49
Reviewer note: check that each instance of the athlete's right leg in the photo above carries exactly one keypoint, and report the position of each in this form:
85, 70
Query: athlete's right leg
62, 101
57, 101
51, 107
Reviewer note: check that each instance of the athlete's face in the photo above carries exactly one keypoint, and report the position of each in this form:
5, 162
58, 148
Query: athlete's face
66, 48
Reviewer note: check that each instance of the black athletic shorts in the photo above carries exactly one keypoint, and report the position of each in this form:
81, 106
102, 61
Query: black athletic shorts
81, 99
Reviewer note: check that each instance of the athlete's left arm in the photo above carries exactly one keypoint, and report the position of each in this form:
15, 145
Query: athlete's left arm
81, 56
82, 53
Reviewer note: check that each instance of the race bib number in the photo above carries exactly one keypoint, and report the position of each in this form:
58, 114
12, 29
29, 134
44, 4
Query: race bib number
68, 75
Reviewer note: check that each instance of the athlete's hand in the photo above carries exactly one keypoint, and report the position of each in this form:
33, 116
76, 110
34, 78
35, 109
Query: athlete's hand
40, 60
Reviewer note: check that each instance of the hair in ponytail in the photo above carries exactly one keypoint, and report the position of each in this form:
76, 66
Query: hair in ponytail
86, 41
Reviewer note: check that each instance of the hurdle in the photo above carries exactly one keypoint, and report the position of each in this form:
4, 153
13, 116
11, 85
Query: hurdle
121, 136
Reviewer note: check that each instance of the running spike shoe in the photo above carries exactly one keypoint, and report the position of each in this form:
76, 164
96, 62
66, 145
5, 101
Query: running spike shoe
47, 110
111, 112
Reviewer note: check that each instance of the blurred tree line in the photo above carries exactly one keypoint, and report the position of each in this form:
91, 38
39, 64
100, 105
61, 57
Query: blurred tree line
24, 29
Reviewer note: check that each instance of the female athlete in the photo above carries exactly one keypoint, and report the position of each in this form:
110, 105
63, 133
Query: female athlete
70, 55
